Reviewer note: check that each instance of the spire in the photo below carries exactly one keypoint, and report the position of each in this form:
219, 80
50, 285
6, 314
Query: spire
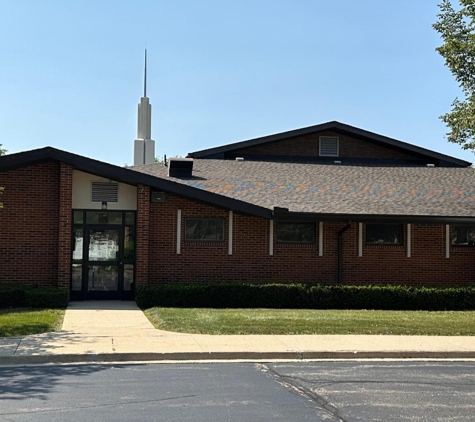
144, 146
145, 76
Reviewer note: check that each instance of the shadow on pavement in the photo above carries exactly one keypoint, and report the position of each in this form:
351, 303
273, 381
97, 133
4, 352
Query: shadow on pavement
27, 382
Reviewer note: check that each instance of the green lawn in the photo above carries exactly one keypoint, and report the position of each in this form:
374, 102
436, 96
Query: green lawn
19, 322
288, 321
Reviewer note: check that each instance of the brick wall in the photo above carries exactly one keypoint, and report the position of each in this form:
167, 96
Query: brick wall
308, 145
29, 225
209, 261
65, 191
143, 235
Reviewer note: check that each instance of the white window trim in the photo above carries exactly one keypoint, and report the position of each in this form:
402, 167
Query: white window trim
178, 232
320, 238
447, 241
271, 237
360, 240
337, 146
230, 233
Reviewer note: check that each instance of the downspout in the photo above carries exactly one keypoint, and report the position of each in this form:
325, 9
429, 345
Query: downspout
340, 251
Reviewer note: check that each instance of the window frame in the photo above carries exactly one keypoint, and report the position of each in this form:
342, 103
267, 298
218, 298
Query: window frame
186, 219
295, 242
400, 237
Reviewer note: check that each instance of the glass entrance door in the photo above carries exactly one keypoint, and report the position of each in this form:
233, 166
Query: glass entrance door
104, 262
103, 258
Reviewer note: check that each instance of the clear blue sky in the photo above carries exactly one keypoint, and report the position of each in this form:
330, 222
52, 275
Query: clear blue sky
219, 72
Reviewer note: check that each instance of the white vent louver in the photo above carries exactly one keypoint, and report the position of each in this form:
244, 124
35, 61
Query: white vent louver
329, 146
105, 192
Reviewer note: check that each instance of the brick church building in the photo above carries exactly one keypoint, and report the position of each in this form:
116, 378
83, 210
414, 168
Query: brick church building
330, 203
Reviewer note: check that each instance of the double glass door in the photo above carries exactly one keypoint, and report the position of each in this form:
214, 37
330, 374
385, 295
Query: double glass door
103, 260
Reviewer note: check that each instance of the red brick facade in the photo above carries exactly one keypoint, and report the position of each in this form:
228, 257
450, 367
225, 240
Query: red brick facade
250, 260
308, 146
64, 230
143, 232
29, 229
35, 243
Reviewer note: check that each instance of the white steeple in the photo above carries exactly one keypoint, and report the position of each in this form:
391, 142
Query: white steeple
144, 146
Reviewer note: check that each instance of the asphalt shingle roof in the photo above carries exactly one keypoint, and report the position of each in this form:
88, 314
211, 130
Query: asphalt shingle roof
333, 188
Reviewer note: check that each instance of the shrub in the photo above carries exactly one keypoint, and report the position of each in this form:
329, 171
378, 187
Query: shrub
305, 295
20, 296
46, 298
13, 295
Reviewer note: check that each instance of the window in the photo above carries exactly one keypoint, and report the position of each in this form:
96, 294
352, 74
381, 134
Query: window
295, 232
463, 236
207, 229
383, 234
329, 146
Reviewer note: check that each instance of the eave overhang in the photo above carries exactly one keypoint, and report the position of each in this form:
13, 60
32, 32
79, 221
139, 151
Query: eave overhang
131, 177
281, 214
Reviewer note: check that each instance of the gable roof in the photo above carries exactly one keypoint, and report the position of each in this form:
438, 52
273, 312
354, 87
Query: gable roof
128, 176
297, 190
218, 152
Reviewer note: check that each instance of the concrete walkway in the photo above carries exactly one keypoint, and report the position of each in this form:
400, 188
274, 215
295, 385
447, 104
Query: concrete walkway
115, 331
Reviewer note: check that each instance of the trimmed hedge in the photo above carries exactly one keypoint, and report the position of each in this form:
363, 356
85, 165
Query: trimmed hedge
23, 296
305, 296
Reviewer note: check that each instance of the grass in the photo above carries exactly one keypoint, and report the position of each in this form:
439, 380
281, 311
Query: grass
289, 321
19, 322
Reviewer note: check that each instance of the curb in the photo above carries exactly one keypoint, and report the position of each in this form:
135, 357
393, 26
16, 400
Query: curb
252, 356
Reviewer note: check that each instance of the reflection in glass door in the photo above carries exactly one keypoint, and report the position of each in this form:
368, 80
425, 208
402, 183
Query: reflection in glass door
103, 259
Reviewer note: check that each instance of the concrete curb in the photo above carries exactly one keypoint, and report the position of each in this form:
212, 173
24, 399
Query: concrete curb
198, 356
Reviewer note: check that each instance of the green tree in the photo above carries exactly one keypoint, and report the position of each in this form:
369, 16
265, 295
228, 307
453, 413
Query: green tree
457, 29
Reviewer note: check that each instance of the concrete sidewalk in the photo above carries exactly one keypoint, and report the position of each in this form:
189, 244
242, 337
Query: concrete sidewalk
114, 331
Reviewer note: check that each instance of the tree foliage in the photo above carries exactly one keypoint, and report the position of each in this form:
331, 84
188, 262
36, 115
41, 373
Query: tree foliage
457, 29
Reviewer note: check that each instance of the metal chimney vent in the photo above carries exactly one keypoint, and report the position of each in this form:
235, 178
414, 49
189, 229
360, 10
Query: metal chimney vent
105, 192
180, 167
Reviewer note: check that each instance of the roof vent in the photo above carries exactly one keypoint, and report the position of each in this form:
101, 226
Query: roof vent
430, 165
104, 192
180, 167
239, 158
329, 146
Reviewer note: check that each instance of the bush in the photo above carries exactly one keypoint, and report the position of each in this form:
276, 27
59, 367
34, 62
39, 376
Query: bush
46, 298
24, 296
13, 295
305, 295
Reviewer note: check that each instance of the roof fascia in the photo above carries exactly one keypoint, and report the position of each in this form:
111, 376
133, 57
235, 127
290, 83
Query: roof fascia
334, 125
400, 144
131, 177
282, 215
261, 140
